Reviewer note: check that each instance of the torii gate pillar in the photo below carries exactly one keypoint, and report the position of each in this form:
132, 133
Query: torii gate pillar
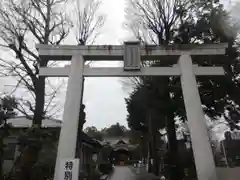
203, 155
69, 131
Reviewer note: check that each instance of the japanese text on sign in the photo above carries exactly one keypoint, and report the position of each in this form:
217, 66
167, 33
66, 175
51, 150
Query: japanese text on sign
69, 169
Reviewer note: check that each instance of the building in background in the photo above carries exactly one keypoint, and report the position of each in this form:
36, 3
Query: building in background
230, 149
12, 150
123, 151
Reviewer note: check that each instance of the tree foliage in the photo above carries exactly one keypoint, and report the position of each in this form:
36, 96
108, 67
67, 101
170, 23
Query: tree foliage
202, 25
146, 99
115, 130
8, 105
94, 133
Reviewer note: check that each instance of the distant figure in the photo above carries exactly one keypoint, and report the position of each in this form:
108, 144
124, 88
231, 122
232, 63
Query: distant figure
82, 116
228, 135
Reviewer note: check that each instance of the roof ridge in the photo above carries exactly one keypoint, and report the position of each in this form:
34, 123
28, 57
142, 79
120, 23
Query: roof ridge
46, 118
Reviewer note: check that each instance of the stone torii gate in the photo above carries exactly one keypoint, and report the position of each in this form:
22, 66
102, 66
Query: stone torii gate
132, 53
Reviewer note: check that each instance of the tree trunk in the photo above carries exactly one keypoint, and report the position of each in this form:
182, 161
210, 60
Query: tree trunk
30, 156
155, 156
175, 169
1, 157
154, 165
149, 157
4, 133
145, 145
40, 97
27, 160
143, 148
40, 102
150, 137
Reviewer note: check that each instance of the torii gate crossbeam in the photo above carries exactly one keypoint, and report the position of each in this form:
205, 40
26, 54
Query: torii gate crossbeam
132, 56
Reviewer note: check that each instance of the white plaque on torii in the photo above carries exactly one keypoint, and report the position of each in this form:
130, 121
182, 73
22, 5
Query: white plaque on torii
133, 53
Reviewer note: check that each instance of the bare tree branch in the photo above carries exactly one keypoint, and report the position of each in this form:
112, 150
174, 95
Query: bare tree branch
15, 68
40, 21
89, 22
52, 95
160, 17
21, 109
153, 21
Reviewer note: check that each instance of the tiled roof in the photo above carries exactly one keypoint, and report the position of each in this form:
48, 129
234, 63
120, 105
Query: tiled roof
23, 122
115, 140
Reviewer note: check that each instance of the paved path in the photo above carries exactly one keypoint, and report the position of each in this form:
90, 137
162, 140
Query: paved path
122, 173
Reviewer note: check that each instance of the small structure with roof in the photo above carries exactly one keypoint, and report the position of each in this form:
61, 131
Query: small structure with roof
86, 149
122, 150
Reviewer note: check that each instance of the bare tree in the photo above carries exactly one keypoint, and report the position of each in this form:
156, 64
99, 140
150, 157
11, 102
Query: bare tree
88, 22
154, 21
22, 25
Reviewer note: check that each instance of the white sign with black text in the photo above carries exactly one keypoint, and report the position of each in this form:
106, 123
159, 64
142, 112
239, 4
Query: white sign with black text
69, 169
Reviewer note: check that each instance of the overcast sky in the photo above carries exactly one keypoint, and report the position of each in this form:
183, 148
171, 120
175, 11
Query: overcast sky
103, 97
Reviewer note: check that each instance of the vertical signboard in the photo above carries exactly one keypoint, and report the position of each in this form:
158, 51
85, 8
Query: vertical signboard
132, 57
69, 169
